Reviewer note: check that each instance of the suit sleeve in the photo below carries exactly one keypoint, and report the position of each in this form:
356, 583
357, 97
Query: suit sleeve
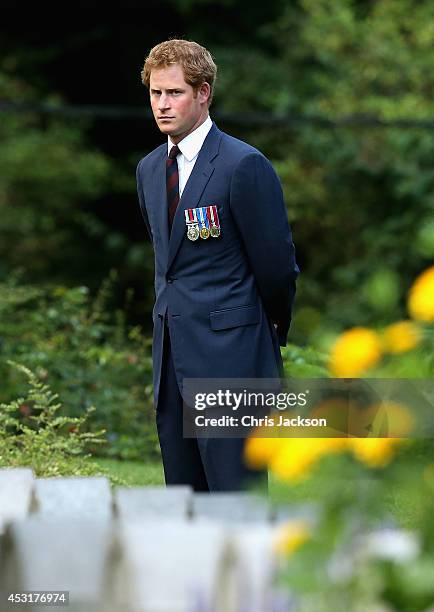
142, 200
257, 206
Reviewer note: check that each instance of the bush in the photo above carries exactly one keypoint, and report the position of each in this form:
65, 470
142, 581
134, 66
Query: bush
32, 433
91, 357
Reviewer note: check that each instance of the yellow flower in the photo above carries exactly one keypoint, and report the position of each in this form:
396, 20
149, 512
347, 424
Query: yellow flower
296, 456
390, 419
354, 351
400, 337
339, 413
286, 465
374, 452
421, 297
258, 452
290, 536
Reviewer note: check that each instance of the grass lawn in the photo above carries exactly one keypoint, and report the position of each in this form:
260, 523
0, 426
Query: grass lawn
134, 473
137, 474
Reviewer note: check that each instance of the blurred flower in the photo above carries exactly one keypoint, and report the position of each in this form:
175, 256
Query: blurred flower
421, 297
401, 337
392, 545
258, 452
365, 420
296, 456
289, 458
374, 452
290, 536
390, 419
292, 459
287, 465
354, 351
338, 412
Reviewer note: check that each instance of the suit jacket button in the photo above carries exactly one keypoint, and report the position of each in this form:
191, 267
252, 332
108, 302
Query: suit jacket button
170, 280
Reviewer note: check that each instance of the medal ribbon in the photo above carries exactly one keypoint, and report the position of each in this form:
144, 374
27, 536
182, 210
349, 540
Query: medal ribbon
201, 217
215, 216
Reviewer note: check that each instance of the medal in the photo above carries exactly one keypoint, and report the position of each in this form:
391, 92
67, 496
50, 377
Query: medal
192, 233
215, 223
203, 220
192, 225
202, 223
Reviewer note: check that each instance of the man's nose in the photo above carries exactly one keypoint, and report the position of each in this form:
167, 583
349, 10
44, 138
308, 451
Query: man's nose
163, 102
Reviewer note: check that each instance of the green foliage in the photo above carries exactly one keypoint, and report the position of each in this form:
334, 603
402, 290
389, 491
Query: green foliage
90, 355
370, 59
34, 434
358, 197
385, 483
337, 568
303, 362
49, 177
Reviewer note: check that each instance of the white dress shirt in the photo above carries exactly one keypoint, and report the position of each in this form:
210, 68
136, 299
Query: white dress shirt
189, 147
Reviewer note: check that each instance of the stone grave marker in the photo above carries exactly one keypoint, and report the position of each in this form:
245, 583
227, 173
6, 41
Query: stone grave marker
294, 512
16, 490
75, 497
237, 507
257, 565
59, 555
154, 502
174, 566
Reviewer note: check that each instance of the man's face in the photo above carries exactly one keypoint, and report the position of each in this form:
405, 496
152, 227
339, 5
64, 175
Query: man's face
178, 109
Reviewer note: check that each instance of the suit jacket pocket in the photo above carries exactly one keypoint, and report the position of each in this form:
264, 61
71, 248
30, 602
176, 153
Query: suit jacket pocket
234, 317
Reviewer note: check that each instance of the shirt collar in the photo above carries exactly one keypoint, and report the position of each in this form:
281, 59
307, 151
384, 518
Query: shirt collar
191, 144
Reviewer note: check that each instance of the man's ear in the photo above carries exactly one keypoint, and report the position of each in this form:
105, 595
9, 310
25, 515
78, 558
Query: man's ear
204, 92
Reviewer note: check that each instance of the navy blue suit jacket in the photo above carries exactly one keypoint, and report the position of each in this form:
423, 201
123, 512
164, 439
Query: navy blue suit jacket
221, 295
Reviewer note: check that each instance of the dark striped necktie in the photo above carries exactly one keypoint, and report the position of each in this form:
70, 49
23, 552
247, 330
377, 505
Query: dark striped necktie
172, 183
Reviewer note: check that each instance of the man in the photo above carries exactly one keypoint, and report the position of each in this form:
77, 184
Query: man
224, 260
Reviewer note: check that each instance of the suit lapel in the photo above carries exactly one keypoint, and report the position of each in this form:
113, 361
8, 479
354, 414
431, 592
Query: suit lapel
159, 182
198, 179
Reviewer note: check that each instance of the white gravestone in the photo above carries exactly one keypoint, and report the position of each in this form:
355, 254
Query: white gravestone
174, 566
59, 555
231, 507
153, 502
258, 565
77, 497
16, 490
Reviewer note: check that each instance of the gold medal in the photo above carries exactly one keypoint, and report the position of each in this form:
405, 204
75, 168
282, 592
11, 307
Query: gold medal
204, 233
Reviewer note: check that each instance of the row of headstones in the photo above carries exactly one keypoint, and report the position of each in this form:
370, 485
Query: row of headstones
144, 549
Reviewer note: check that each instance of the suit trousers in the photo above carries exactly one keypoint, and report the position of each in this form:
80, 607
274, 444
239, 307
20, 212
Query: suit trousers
206, 464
